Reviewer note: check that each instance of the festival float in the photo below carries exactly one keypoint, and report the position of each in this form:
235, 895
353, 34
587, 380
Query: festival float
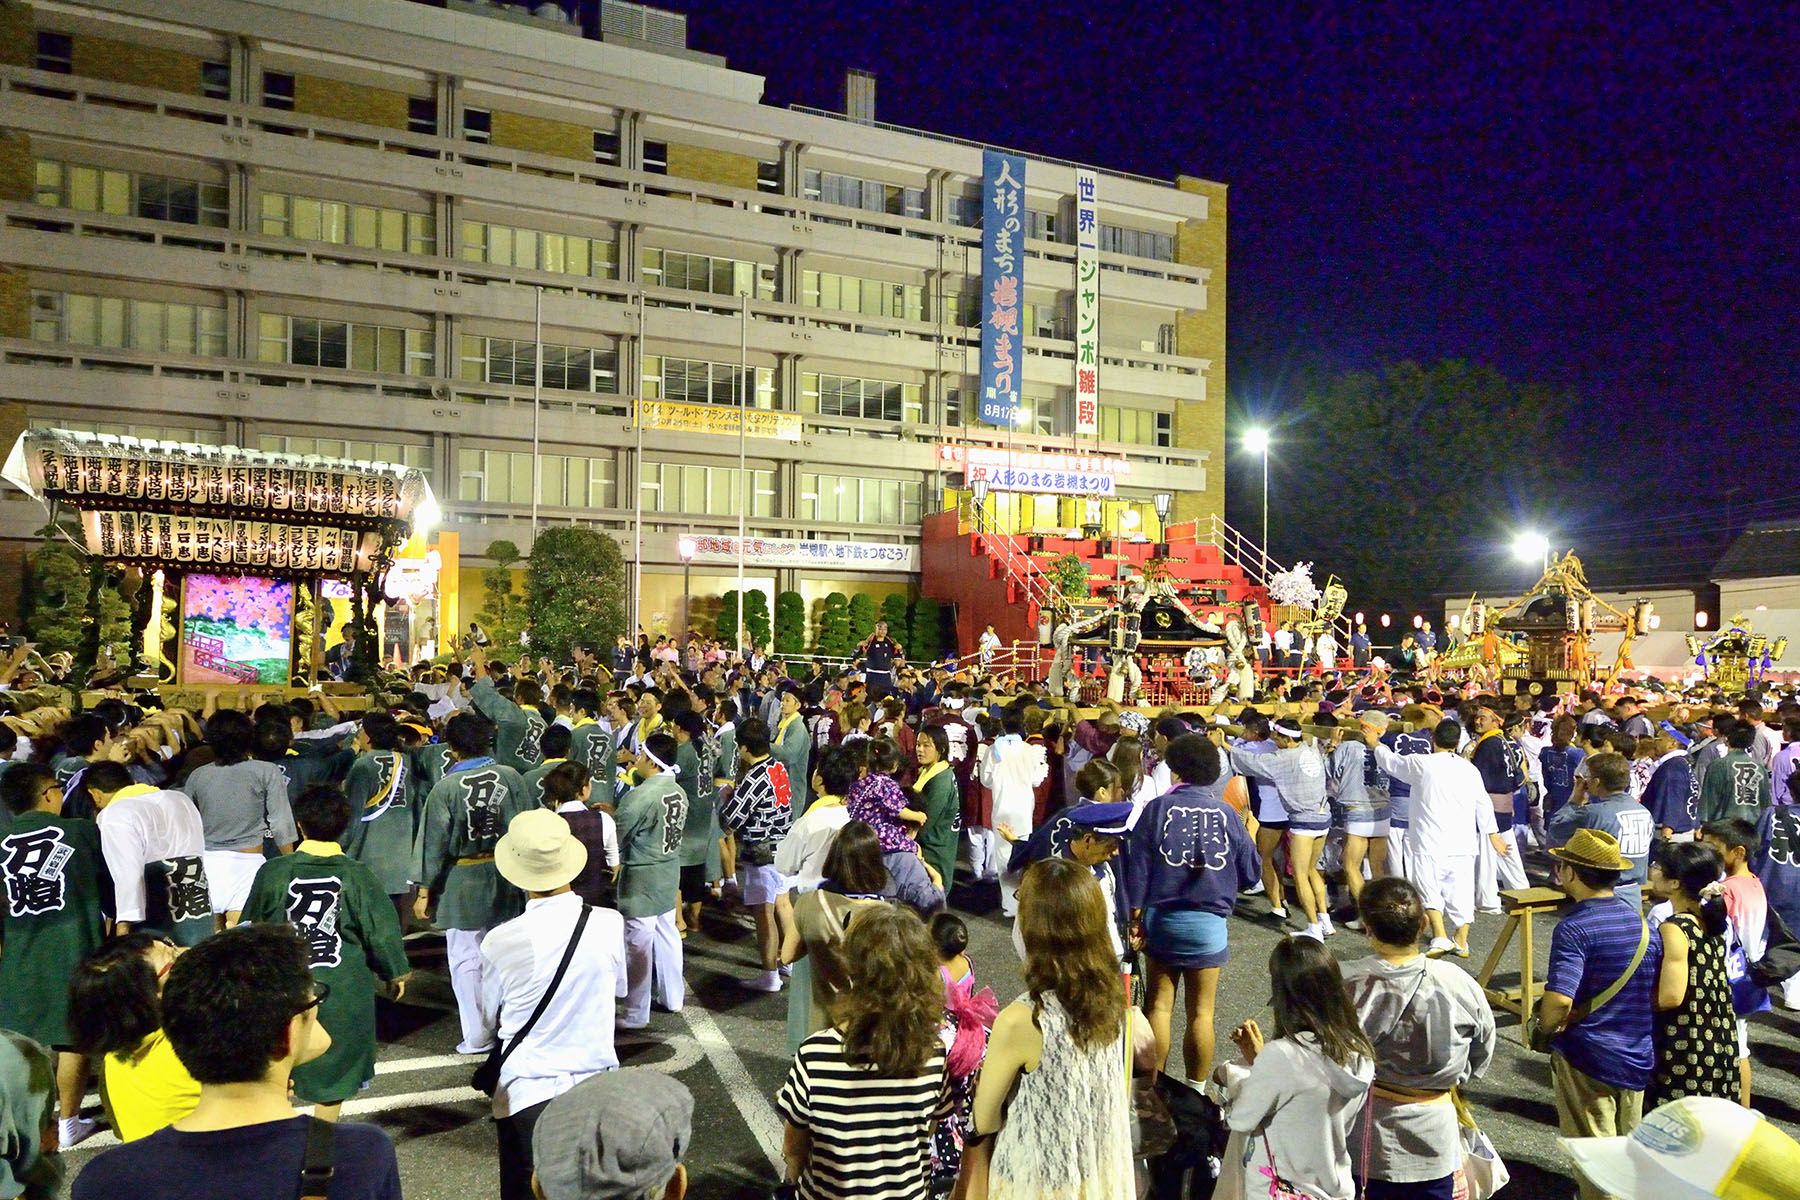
223, 551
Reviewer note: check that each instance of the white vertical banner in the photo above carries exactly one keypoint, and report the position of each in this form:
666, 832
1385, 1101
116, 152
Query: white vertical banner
1087, 305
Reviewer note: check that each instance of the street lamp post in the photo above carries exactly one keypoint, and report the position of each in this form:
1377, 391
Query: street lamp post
1257, 442
1163, 501
685, 545
980, 488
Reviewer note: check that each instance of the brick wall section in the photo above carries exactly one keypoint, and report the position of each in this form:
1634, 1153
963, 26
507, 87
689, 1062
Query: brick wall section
1200, 333
516, 131
15, 303
320, 97
145, 66
18, 174
18, 35
712, 166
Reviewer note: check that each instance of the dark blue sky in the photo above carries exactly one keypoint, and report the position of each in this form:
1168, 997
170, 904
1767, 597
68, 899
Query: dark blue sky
1601, 199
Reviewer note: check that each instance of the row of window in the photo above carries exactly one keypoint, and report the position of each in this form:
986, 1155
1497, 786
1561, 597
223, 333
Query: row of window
869, 399
127, 324
130, 194
871, 297
509, 360
369, 226
708, 273
536, 250
857, 498
55, 52
696, 381
314, 342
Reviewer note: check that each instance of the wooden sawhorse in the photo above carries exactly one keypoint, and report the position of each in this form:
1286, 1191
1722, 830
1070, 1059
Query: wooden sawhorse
1521, 906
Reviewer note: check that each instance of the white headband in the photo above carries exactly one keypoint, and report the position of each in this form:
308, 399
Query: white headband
1292, 731
651, 755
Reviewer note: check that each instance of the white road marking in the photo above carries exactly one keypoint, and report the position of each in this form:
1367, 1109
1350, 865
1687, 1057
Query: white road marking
757, 1112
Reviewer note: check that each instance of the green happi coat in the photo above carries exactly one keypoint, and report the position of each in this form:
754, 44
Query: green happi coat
340, 910
696, 763
464, 816
937, 797
651, 820
383, 790
792, 747
517, 730
52, 872
591, 746
534, 780
431, 760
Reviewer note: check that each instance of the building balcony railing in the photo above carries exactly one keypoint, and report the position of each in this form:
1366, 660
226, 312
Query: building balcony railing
239, 122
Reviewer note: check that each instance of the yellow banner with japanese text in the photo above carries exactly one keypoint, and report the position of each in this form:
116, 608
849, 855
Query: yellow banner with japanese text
679, 417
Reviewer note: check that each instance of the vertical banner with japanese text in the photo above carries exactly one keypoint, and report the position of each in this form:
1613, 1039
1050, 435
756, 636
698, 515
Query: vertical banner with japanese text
1087, 305
1002, 285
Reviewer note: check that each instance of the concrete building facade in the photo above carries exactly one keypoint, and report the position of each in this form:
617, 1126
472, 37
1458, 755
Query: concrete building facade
319, 227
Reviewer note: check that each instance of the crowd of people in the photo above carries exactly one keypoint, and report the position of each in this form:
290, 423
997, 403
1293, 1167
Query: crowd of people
204, 907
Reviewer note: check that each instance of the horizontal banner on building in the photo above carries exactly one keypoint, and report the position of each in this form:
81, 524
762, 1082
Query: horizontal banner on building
956, 457
178, 540
85, 468
777, 552
1057, 483
679, 417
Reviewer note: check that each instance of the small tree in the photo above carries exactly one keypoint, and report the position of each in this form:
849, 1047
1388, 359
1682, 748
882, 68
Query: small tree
1069, 573
756, 616
575, 589
502, 611
71, 594
834, 627
893, 611
925, 636
790, 624
862, 617
726, 630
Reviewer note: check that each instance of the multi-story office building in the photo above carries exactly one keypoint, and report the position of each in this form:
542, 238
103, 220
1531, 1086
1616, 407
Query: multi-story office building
327, 227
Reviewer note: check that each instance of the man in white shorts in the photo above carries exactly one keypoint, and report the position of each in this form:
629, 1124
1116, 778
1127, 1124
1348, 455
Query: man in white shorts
1450, 810
760, 813
1359, 803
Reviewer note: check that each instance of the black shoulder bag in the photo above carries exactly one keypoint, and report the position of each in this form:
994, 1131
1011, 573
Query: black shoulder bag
486, 1078
316, 1168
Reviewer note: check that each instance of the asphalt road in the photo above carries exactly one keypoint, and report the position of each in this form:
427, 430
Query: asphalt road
729, 1047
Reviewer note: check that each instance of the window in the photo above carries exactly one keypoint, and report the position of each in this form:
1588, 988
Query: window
714, 491
1135, 426
693, 381
1139, 243
656, 158
148, 433
768, 176
965, 210
215, 80
708, 273
315, 342
872, 195
606, 147
564, 253
1040, 225
860, 500
869, 399
400, 453
122, 323
278, 91
373, 228
421, 114
871, 297
478, 125
564, 481
570, 368
55, 52
154, 197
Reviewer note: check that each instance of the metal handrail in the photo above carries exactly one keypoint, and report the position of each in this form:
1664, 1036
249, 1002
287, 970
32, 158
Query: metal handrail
1258, 567
1024, 578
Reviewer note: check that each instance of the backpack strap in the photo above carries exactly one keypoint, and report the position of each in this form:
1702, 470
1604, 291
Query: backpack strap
316, 1167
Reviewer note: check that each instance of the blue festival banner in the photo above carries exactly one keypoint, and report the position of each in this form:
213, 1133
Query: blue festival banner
1002, 285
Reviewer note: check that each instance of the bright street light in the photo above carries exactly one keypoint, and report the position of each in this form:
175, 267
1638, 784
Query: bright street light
1528, 546
1256, 441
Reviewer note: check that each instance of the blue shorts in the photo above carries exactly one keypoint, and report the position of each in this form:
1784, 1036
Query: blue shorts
1185, 938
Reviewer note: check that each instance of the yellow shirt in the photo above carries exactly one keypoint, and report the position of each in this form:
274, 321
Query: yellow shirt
148, 1090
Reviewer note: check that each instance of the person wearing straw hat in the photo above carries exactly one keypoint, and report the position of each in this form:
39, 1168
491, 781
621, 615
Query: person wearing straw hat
1597, 997
572, 1039
1690, 1149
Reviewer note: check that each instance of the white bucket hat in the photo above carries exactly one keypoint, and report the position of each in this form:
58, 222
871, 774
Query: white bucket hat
539, 852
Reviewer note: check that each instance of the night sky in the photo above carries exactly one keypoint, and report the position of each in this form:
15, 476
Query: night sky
1601, 200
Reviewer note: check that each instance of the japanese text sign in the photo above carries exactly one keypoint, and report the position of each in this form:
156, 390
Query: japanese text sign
1002, 285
